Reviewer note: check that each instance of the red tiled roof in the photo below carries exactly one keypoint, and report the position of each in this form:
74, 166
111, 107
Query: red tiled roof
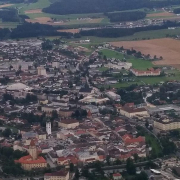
135, 140
117, 175
28, 160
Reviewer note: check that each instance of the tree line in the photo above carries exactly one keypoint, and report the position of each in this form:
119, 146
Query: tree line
120, 32
126, 16
177, 11
101, 6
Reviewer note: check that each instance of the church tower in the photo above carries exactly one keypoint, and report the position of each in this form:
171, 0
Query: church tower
33, 150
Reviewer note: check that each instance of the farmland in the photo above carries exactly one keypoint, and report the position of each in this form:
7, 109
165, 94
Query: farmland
166, 47
141, 65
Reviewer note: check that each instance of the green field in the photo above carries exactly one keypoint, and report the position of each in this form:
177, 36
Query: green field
144, 35
139, 64
154, 144
136, 63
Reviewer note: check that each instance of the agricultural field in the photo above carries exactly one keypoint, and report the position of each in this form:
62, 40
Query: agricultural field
141, 65
166, 47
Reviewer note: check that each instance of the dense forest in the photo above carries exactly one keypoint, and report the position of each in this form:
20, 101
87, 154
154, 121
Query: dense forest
34, 30
9, 15
120, 32
126, 16
177, 11
102, 6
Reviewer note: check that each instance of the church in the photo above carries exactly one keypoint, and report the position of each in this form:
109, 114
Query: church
32, 161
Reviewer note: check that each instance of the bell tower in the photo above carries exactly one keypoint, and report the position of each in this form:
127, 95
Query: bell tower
33, 150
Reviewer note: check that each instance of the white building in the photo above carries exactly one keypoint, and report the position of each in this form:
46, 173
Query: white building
48, 128
42, 71
113, 96
55, 64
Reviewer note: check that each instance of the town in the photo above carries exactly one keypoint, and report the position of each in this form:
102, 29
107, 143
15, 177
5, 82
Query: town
63, 117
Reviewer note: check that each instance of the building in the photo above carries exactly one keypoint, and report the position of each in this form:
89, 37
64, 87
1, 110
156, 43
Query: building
55, 64
60, 175
113, 96
68, 123
119, 66
48, 128
117, 176
32, 161
65, 113
166, 124
131, 112
42, 71
150, 72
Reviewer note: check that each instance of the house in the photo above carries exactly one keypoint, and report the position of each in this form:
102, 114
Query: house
32, 161
149, 72
68, 123
117, 176
131, 112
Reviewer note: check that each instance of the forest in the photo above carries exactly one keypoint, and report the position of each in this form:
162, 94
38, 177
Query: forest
9, 15
126, 16
34, 30
101, 6
176, 11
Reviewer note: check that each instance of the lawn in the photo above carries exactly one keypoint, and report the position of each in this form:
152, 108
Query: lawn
154, 144
40, 4
112, 54
136, 63
103, 68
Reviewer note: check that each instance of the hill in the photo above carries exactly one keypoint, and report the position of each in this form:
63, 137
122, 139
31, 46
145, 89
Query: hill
100, 6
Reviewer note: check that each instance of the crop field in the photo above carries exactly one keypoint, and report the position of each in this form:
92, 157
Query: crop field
69, 30
5, 5
33, 11
166, 47
161, 14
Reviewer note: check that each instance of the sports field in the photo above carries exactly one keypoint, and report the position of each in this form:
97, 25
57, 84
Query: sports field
166, 47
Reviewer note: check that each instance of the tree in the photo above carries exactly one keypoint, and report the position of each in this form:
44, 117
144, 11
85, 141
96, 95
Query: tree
136, 157
71, 167
130, 167
7, 132
77, 175
54, 114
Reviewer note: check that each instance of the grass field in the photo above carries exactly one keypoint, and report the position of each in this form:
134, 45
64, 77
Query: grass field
154, 144
141, 65
136, 63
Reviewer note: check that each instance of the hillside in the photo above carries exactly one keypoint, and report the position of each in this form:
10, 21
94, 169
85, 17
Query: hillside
100, 6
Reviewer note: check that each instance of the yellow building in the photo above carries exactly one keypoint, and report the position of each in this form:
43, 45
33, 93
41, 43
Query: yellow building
32, 161
68, 123
131, 112
166, 124
60, 175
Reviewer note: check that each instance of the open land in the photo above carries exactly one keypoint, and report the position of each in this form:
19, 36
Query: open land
166, 47
5, 5
69, 30
33, 11
161, 14
49, 21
